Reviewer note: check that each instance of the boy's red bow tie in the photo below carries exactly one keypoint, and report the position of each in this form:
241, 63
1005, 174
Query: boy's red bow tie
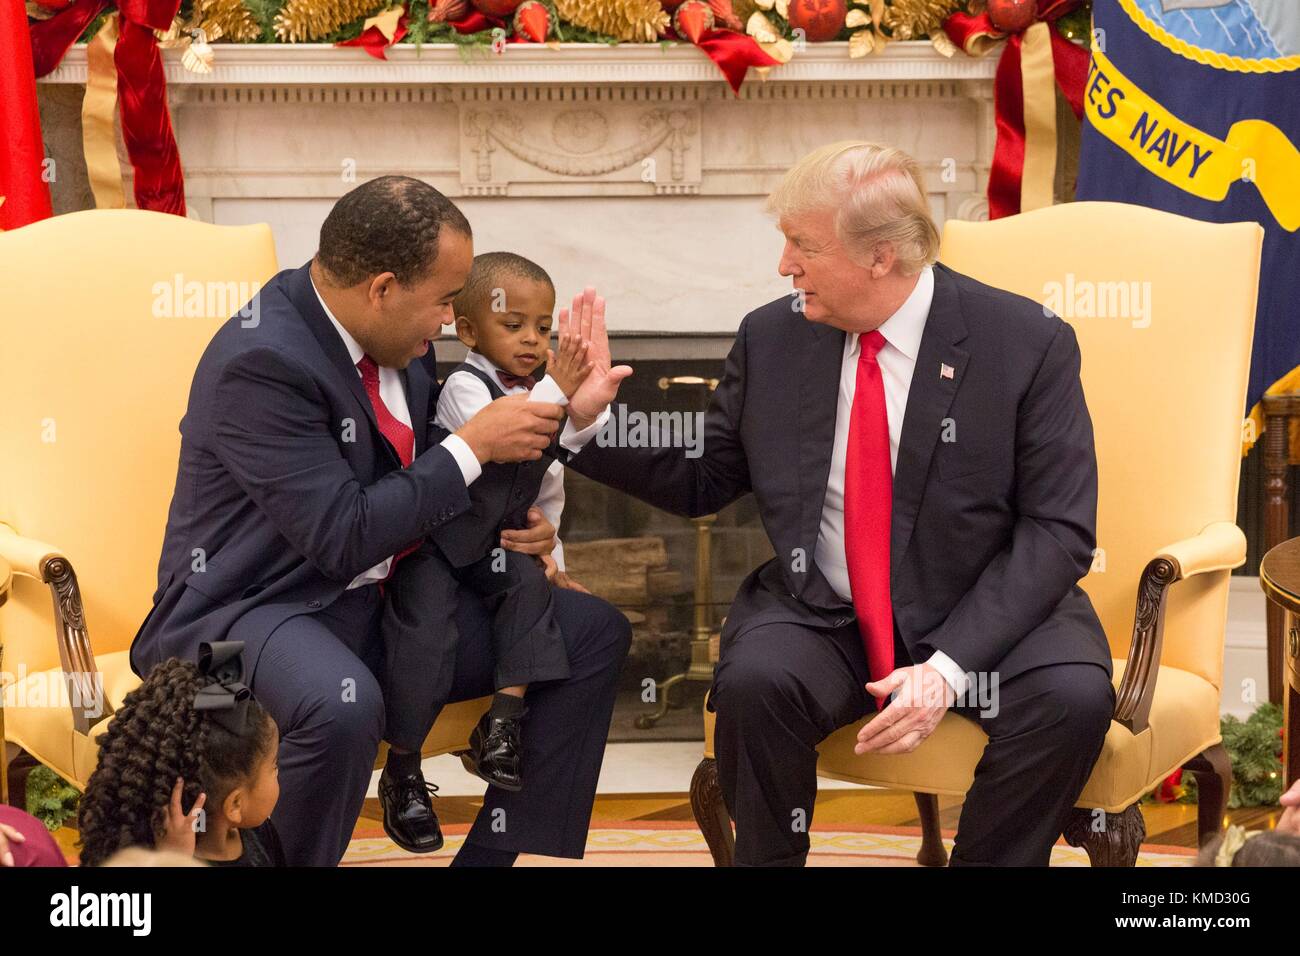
511, 381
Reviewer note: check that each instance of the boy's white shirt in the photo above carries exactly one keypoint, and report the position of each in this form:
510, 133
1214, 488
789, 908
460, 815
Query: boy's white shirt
464, 395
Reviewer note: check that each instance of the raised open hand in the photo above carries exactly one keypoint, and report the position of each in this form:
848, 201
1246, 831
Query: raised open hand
600, 387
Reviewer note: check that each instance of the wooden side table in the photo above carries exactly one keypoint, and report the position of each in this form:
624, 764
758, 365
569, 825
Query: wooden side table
1279, 410
1279, 575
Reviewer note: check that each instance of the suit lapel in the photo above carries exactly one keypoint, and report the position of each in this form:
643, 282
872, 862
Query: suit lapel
819, 377
929, 397
308, 305
416, 380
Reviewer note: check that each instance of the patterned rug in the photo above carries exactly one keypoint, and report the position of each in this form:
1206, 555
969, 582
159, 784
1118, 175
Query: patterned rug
682, 844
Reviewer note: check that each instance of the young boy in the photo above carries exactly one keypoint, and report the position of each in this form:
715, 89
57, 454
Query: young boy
504, 316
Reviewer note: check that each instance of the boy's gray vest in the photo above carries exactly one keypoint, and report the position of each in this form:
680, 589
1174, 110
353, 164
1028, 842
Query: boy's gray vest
500, 498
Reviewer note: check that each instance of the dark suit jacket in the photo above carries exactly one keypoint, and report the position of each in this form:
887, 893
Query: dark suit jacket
990, 533
286, 490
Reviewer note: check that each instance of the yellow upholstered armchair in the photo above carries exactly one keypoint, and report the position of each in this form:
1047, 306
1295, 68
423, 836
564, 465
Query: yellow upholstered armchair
104, 316
1164, 308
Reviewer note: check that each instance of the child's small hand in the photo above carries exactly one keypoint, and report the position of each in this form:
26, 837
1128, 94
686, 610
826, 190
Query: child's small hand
178, 829
8, 833
570, 367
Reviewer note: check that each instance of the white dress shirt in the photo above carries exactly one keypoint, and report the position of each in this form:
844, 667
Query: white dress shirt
897, 360
463, 395
393, 394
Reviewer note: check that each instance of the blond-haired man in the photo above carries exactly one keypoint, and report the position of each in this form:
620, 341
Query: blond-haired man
922, 459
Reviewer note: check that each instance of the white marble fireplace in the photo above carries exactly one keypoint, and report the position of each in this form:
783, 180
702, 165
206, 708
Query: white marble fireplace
633, 167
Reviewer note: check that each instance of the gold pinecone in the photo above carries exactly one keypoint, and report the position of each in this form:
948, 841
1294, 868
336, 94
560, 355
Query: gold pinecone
636, 20
305, 20
913, 19
228, 19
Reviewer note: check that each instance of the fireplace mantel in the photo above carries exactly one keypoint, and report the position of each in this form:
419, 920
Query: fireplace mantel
295, 64
632, 166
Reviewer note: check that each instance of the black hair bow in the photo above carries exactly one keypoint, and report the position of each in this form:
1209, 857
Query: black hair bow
223, 695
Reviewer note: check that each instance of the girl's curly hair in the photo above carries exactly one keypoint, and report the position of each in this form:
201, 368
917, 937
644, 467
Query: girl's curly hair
155, 737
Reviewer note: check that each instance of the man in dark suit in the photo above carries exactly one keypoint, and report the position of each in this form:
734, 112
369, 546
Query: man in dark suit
923, 463
306, 474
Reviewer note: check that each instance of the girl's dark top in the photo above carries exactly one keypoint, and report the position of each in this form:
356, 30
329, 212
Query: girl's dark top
261, 848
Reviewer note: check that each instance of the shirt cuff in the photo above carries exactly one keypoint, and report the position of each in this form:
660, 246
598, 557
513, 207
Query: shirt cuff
466, 459
950, 670
575, 440
548, 390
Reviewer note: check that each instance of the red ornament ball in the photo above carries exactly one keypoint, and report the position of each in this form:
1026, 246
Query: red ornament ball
693, 19
1013, 16
501, 9
820, 20
671, 5
532, 22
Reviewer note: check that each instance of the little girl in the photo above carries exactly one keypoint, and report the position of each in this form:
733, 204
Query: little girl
193, 734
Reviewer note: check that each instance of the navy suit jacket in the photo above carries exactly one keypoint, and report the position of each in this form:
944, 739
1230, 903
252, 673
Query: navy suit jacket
990, 533
285, 490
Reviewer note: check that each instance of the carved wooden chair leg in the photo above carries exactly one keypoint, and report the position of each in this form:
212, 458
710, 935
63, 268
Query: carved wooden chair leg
1111, 839
711, 812
1212, 768
932, 852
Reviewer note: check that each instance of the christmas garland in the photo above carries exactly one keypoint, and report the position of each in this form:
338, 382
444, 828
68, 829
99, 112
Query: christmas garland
1254, 746
124, 67
868, 25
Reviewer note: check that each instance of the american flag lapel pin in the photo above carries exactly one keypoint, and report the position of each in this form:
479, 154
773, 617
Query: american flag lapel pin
945, 370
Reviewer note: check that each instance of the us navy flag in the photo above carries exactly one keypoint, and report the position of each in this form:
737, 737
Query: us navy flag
1193, 106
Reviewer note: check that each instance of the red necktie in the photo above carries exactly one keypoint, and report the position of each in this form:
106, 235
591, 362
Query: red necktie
399, 435
868, 506
510, 381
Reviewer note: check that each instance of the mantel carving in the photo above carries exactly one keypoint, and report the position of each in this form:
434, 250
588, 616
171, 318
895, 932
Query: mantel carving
583, 136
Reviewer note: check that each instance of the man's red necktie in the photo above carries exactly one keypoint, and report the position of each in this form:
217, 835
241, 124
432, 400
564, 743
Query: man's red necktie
868, 506
399, 435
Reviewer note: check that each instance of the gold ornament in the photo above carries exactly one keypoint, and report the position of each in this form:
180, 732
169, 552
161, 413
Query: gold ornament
228, 18
636, 20
772, 43
306, 20
197, 54
913, 19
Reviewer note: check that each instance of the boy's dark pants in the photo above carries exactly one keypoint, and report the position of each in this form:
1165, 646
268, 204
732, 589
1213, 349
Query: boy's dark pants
419, 633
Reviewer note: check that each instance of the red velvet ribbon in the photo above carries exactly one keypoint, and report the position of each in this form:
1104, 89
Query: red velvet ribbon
373, 41
476, 22
141, 89
734, 53
1070, 64
22, 152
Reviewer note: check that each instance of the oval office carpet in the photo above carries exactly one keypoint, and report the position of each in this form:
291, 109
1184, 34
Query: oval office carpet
673, 843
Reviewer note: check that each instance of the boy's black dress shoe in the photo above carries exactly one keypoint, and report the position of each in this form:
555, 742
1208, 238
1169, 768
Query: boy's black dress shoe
409, 819
493, 753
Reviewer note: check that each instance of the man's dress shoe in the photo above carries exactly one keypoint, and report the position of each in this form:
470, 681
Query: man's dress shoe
409, 819
493, 753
